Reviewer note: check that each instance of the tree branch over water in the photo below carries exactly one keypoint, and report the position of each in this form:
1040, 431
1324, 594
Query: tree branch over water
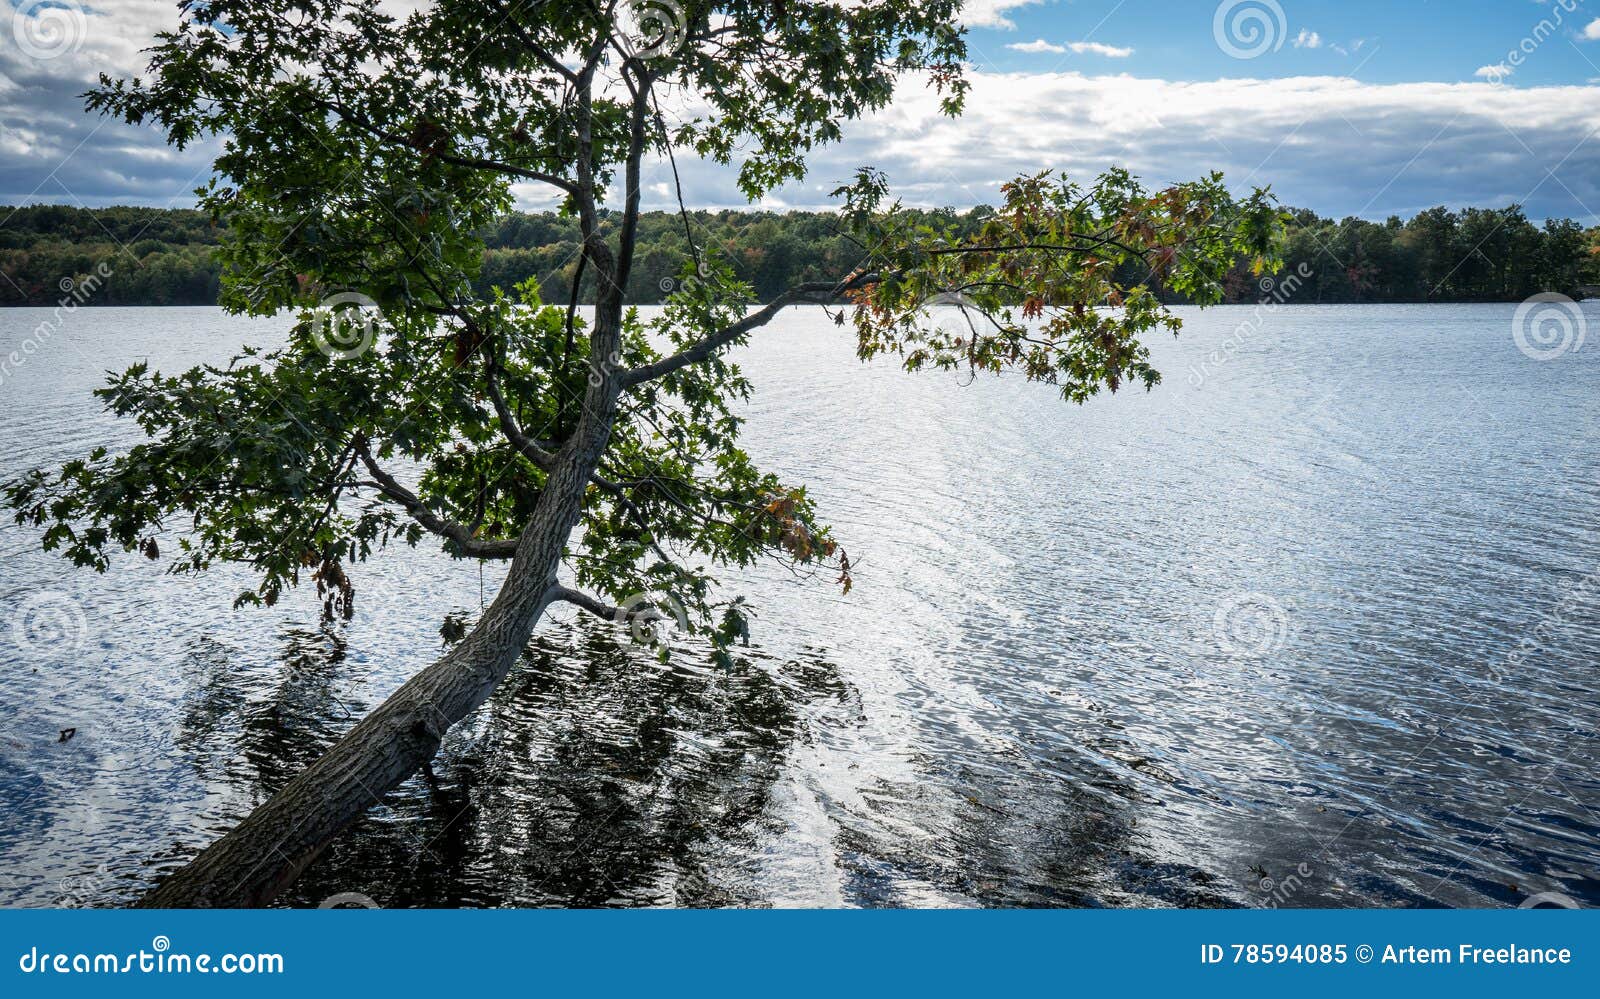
367, 157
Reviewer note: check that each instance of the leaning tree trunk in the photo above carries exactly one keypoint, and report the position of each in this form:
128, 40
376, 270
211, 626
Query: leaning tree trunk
266, 852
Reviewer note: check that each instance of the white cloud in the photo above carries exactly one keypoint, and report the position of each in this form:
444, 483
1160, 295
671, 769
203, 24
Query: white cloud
1592, 32
991, 13
1333, 144
1037, 45
1308, 39
1081, 48
1095, 48
77, 40
1493, 73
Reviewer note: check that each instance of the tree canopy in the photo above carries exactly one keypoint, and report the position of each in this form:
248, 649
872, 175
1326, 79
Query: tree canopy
373, 154
363, 157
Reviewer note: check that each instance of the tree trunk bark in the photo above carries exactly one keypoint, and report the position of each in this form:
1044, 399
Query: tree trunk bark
267, 851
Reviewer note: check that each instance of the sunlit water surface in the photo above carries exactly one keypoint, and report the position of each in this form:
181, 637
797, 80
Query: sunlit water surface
1245, 640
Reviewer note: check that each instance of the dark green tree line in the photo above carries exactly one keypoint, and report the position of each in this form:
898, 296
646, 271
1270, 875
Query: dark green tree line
167, 257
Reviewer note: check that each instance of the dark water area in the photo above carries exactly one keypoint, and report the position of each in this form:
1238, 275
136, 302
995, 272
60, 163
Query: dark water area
1315, 623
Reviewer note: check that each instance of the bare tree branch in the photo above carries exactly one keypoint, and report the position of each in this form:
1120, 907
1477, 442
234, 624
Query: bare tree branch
598, 607
457, 534
470, 162
545, 56
531, 449
812, 291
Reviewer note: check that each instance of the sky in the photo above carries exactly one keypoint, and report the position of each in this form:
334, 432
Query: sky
1364, 108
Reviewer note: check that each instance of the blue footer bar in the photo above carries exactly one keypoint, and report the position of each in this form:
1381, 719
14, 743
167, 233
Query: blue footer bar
796, 953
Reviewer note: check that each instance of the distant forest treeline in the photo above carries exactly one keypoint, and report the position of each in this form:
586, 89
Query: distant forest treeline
167, 256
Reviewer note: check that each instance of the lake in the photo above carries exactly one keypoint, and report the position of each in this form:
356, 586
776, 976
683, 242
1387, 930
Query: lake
1314, 623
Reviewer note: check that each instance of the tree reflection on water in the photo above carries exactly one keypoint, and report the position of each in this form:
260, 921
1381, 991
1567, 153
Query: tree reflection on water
601, 775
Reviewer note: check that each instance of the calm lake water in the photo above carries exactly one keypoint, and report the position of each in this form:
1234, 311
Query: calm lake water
1312, 624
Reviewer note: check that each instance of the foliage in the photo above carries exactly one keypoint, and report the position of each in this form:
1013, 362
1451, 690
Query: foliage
1057, 282
373, 157
168, 256
154, 256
